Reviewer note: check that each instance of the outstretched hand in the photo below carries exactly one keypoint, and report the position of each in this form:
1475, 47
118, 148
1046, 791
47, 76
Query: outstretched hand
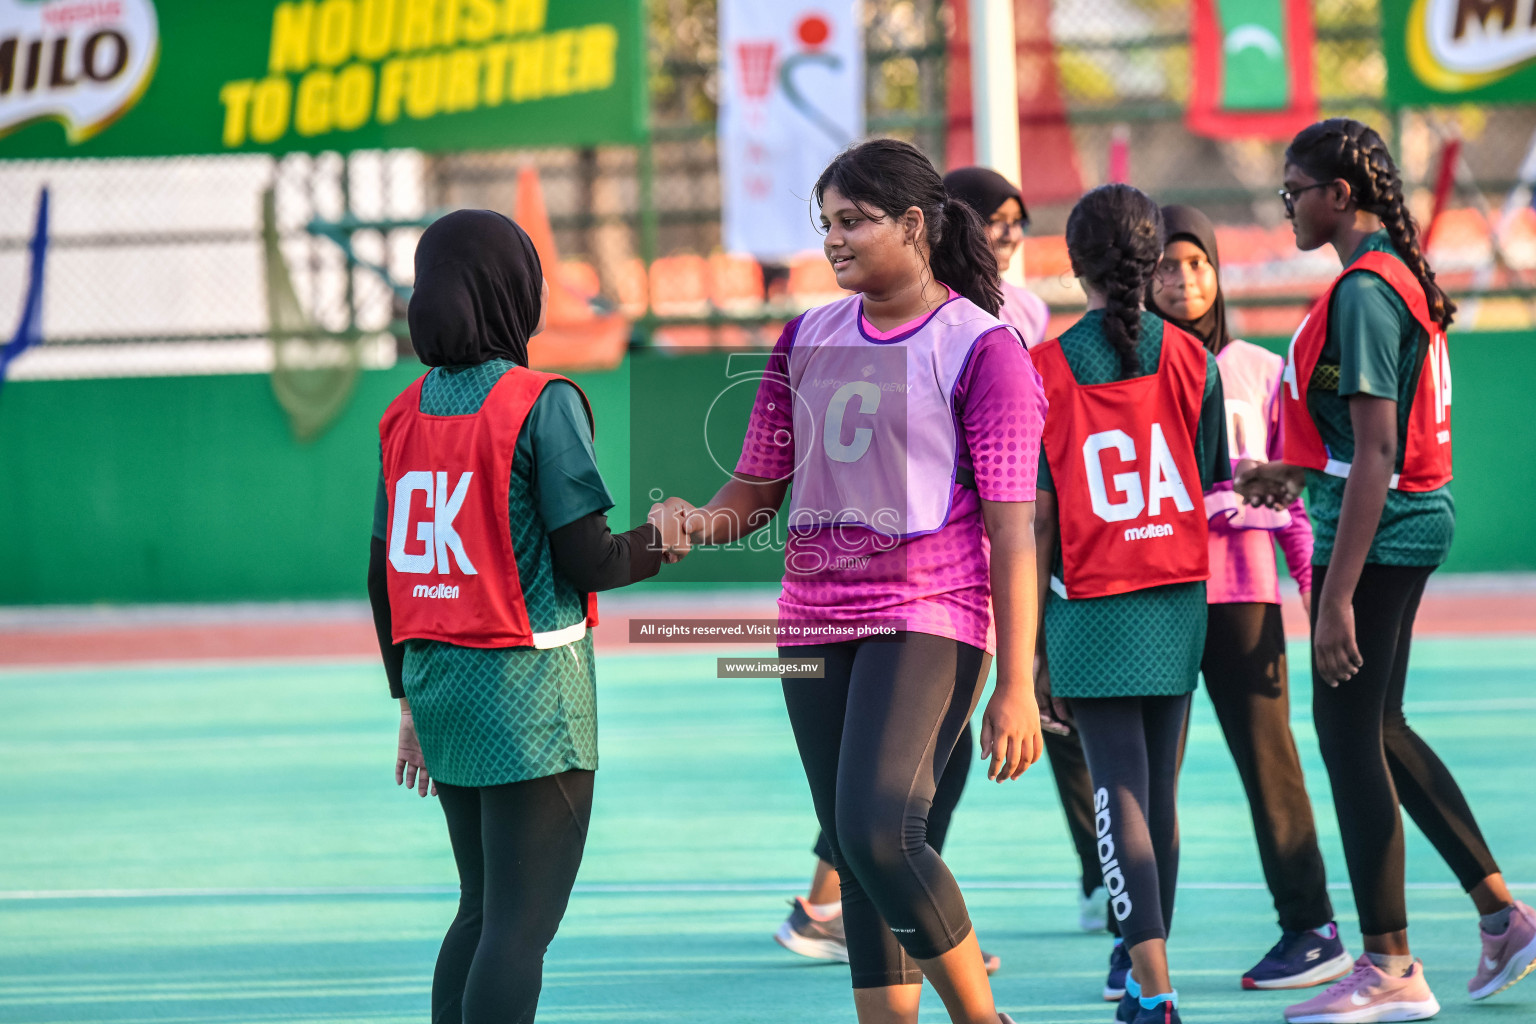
670, 517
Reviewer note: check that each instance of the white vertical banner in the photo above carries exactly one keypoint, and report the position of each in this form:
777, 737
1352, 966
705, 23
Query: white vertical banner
791, 98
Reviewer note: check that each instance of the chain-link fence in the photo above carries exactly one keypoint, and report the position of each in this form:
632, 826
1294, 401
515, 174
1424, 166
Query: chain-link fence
157, 265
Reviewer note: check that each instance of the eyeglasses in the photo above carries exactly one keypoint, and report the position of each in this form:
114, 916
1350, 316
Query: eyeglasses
1290, 194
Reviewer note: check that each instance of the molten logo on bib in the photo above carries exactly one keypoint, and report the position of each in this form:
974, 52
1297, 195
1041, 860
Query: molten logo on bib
82, 63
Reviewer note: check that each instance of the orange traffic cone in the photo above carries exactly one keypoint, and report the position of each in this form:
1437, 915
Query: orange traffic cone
575, 336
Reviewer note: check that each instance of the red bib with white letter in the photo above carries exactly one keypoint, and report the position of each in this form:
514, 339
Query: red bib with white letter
1122, 458
451, 569
1424, 458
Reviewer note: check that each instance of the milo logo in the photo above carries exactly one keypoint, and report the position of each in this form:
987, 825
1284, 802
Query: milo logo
82, 63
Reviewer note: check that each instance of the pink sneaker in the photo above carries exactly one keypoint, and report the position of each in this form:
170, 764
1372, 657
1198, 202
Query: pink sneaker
1506, 958
1367, 995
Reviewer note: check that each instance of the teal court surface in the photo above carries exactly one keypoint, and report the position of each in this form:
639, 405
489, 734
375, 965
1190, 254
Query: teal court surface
223, 842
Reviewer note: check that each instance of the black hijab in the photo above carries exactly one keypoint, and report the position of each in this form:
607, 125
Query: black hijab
983, 190
1190, 225
478, 290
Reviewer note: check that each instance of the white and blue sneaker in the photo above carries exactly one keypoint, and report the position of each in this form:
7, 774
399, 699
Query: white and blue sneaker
1093, 910
1119, 968
1301, 960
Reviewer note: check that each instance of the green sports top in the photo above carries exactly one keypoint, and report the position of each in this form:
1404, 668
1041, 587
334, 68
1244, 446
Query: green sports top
487, 716
1372, 348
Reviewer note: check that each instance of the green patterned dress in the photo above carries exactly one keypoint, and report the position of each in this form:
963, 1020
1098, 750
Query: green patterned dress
488, 716
1372, 348
1146, 643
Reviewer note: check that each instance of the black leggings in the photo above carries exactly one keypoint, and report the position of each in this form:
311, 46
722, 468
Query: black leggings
1245, 676
1132, 744
517, 848
945, 799
1375, 760
875, 735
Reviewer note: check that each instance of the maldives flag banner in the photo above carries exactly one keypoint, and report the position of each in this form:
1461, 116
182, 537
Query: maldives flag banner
1252, 69
791, 98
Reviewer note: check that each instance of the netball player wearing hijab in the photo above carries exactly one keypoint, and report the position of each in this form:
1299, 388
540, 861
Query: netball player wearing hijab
907, 417
489, 540
1366, 413
1244, 663
814, 927
1002, 207
1134, 435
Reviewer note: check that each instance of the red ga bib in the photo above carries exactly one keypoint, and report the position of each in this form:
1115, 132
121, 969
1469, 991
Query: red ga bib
1424, 458
1122, 457
451, 569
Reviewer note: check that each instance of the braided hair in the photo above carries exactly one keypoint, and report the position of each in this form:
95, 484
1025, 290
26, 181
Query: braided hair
894, 176
1115, 237
1353, 152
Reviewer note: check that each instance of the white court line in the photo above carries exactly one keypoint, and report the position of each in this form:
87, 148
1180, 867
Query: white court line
594, 888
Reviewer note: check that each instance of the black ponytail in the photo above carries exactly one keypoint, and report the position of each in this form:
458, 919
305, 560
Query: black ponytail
1348, 150
894, 176
1115, 238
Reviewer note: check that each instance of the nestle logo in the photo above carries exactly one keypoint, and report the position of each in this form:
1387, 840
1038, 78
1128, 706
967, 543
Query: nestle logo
1150, 530
439, 590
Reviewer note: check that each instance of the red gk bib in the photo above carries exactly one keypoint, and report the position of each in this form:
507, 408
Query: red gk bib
451, 570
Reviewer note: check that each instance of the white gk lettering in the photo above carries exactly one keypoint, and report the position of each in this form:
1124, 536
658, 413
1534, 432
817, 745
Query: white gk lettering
1163, 478
1114, 878
437, 535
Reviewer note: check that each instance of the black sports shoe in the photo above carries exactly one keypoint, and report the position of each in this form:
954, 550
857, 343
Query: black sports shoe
1301, 960
1119, 967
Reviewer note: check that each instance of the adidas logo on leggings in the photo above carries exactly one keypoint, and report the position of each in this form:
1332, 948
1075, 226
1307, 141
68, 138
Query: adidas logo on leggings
1114, 880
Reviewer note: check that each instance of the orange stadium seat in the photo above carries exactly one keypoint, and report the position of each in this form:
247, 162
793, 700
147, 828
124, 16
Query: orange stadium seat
680, 286
736, 282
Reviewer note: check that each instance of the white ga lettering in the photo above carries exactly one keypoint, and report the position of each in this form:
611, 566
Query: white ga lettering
1163, 477
438, 537
868, 393
1290, 360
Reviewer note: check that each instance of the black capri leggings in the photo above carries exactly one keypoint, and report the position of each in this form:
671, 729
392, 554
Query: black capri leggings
1375, 759
875, 735
517, 848
945, 799
1133, 745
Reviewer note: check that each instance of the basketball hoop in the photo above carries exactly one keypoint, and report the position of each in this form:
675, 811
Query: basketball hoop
756, 68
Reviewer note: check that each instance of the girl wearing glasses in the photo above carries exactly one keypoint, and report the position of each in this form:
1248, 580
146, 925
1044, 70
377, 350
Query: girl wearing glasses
1366, 420
1002, 207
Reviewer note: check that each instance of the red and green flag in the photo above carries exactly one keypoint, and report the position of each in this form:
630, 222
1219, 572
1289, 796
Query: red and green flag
1251, 63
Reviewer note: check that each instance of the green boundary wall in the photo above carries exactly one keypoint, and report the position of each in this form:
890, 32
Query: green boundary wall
192, 489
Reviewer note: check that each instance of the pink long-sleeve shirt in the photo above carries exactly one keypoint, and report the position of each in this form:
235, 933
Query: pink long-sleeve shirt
1243, 567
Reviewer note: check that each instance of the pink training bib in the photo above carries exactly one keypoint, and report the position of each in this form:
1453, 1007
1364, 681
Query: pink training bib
874, 428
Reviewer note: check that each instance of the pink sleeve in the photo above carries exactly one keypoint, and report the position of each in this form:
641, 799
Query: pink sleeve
768, 450
1001, 407
1295, 539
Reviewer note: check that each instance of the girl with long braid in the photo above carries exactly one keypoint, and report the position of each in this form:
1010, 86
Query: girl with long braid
1135, 432
1366, 416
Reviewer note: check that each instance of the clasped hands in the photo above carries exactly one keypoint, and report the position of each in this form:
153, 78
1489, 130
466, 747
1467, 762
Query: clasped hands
1272, 484
673, 518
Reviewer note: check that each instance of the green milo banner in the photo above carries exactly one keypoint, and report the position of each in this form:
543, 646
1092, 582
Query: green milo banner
1459, 51
116, 78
